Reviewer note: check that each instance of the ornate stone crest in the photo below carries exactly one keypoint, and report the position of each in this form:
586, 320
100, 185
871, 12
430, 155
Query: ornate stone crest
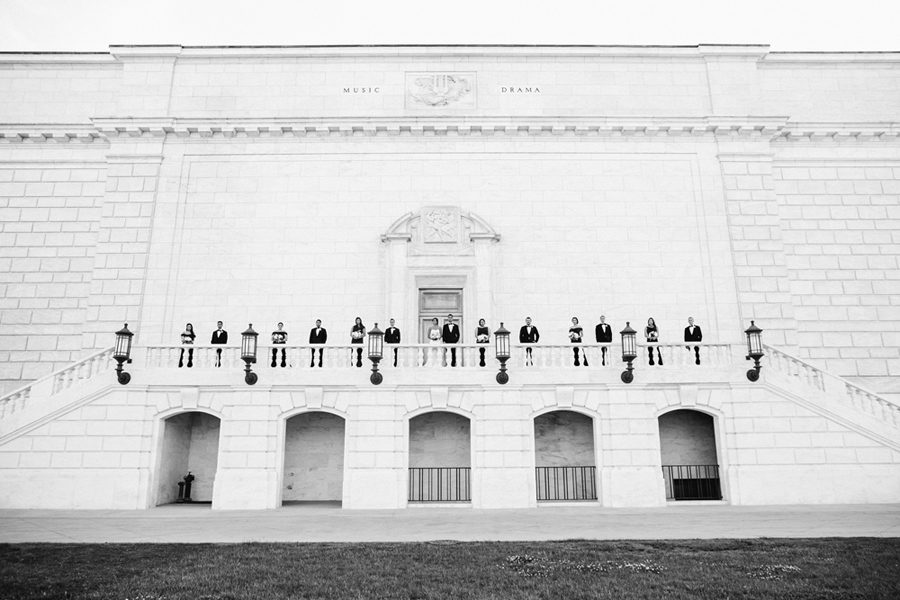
424, 90
441, 225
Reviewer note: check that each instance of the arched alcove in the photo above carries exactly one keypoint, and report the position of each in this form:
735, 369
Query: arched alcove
313, 458
564, 456
687, 441
190, 444
440, 458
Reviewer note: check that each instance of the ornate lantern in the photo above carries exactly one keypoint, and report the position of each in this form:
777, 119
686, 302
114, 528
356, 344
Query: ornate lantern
501, 340
629, 351
754, 349
376, 353
122, 353
248, 354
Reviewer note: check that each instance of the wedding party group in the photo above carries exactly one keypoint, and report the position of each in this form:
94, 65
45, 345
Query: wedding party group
448, 335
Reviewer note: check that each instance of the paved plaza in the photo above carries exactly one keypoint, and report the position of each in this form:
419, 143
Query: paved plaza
327, 523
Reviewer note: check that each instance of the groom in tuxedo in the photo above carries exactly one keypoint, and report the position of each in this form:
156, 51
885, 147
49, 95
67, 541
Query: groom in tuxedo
450, 335
692, 333
392, 336
603, 332
219, 336
318, 336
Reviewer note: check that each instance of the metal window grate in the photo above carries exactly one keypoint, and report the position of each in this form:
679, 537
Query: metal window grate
439, 484
692, 482
566, 483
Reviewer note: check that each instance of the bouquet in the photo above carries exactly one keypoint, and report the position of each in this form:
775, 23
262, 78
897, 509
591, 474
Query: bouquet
482, 338
356, 335
434, 335
574, 336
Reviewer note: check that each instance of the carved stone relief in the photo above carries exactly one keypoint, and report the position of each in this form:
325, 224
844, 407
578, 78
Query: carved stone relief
427, 90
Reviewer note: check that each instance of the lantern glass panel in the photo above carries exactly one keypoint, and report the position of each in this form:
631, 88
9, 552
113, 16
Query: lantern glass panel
123, 343
248, 345
376, 343
501, 341
755, 342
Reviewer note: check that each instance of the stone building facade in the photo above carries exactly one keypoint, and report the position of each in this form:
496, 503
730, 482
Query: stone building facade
159, 185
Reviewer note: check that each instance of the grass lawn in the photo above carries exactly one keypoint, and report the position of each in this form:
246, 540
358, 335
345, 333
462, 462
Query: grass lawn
716, 569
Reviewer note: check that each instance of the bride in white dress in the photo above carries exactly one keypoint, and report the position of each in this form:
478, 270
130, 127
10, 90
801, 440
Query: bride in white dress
434, 339
434, 333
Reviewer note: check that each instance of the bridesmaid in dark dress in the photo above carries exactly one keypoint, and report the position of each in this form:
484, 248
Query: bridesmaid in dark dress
357, 334
482, 336
651, 333
187, 339
575, 335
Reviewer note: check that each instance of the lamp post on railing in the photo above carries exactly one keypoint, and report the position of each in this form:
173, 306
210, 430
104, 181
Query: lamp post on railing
754, 349
248, 354
501, 339
629, 351
122, 353
376, 353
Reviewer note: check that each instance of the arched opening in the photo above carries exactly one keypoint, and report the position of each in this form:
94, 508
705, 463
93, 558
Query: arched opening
190, 447
440, 458
687, 440
564, 456
313, 459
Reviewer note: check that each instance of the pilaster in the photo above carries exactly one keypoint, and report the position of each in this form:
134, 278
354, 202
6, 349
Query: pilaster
123, 239
757, 244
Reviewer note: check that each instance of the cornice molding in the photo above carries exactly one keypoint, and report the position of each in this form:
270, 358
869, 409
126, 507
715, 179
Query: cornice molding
839, 131
776, 129
49, 133
453, 125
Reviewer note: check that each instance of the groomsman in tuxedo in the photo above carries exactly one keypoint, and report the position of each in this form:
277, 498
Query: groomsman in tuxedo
392, 336
603, 333
317, 335
450, 335
528, 334
219, 336
692, 333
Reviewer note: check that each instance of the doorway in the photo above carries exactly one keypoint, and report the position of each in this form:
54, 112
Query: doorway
437, 303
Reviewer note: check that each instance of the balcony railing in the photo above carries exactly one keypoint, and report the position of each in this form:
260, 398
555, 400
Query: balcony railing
440, 484
692, 482
566, 483
427, 356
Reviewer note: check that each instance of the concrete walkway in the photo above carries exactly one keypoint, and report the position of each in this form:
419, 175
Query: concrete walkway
195, 524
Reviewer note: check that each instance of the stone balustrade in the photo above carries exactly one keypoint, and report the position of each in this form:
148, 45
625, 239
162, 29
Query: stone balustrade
843, 390
428, 356
84, 370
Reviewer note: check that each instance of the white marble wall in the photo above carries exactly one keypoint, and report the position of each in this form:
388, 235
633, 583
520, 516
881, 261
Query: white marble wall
107, 452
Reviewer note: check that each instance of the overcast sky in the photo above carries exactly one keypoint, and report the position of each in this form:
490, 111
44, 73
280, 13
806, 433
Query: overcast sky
92, 25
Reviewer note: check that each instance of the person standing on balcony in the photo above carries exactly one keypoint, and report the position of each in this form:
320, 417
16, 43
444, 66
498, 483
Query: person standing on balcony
187, 339
279, 337
357, 334
603, 333
450, 335
219, 337
575, 335
317, 335
651, 333
528, 334
392, 336
482, 336
692, 333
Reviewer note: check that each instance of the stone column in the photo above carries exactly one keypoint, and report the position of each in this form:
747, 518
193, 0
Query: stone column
503, 456
395, 299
